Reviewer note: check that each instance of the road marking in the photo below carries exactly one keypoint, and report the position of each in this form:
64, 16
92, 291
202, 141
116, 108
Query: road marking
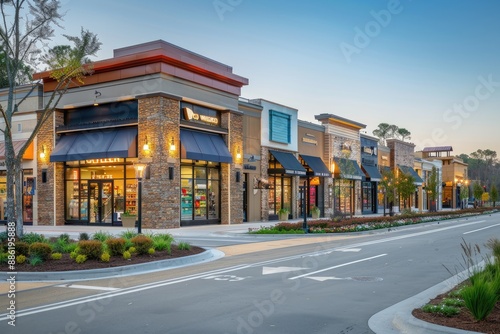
322, 279
338, 266
484, 228
86, 287
349, 250
229, 278
277, 270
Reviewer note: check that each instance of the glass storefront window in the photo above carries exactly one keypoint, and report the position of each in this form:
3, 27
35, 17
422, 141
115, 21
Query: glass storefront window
280, 194
200, 192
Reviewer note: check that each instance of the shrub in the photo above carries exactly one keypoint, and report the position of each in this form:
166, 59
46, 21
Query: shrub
81, 258
142, 243
126, 255
35, 260
447, 311
132, 250
40, 249
20, 259
56, 256
116, 246
183, 246
161, 245
58, 245
105, 257
480, 299
33, 237
22, 248
101, 236
92, 249
4, 258
129, 234
64, 237
70, 247
494, 245
151, 251
73, 255
83, 236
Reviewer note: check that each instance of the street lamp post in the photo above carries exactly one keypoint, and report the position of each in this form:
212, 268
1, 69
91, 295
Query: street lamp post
332, 170
139, 173
304, 206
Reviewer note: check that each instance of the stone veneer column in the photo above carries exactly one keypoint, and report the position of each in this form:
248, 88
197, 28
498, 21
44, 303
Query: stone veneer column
159, 119
50, 194
264, 168
232, 191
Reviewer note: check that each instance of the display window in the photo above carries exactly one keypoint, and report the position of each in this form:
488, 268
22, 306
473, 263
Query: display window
29, 188
98, 193
280, 193
200, 192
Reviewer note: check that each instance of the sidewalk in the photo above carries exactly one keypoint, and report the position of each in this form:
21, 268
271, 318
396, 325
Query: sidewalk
395, 319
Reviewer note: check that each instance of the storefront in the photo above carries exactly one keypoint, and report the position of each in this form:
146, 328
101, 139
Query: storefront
369, 165
29, 183
346, 178
283, 166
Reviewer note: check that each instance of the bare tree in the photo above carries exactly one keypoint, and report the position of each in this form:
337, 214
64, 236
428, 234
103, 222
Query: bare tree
26, 27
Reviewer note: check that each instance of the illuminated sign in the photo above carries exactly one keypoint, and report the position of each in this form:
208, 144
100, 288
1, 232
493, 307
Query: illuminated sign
309, 140
190, 115
104, 161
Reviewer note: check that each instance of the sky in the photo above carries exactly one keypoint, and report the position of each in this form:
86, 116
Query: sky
431, 67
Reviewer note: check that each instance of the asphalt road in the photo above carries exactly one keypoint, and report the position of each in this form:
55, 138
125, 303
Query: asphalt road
330, 285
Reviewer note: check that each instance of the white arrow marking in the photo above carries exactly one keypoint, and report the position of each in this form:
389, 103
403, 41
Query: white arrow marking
322, 279
277, 270
349, 250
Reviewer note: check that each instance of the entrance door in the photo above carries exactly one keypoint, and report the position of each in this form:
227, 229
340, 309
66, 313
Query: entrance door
101, 202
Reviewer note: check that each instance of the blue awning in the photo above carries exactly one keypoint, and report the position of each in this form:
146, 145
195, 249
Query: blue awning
348, 169
197, 145
410, 171
372, 173
97, 144
289, 163
317, 165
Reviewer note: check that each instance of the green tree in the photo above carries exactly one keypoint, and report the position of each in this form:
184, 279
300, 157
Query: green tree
405, 186
432, 187
27, 26
384, 131
23, 77
493, 194
477, 191
403, 133
464, 193
388, 186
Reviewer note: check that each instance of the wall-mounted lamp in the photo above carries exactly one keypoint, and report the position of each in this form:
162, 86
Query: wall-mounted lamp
42, 154
172, 144
97, 94
238, 154
146, 145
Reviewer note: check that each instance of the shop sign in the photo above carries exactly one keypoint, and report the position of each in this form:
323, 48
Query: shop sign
190, 115
251, 167
104, 161
309, 141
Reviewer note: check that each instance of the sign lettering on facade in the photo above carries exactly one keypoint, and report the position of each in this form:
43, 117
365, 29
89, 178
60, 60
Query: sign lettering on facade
104, 161
190, 115
309, 140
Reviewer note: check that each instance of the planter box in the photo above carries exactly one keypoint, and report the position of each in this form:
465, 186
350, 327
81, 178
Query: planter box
129, 221
283, 216
315, 214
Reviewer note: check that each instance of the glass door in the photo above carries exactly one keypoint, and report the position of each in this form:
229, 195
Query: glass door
100, 202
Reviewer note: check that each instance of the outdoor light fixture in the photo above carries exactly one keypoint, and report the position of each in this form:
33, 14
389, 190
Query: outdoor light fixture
139, 174
146, 145
42, 154
172, 144
97, 94
238, 154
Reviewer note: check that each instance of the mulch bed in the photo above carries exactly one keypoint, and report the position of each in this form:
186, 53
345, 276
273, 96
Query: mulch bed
67, 264
464, 320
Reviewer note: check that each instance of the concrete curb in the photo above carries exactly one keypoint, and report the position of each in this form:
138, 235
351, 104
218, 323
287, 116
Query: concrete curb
140, 268
398, 317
